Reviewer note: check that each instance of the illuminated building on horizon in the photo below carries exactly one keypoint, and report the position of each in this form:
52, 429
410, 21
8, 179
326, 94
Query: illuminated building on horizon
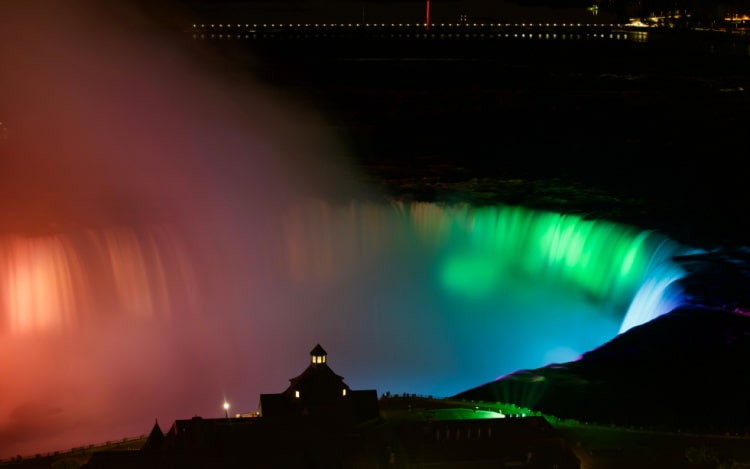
318, 421
319, 392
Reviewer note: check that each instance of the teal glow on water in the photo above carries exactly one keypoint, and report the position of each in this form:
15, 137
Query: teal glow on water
442, 298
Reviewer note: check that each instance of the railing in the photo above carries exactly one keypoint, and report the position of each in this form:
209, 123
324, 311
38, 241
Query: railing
284, 31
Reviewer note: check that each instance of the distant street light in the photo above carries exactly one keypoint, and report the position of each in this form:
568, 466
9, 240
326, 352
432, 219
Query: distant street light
226, 409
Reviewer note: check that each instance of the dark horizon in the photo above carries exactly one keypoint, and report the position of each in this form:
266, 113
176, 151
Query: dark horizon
325, 11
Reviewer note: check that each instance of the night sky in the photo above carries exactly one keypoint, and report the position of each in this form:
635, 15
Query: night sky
385, 11
174, 236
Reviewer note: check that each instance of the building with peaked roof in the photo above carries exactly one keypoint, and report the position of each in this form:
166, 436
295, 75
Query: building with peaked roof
319, 421
155, 439
320, 393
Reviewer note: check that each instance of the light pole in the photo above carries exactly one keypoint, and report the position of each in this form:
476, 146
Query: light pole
427, 16
226, 409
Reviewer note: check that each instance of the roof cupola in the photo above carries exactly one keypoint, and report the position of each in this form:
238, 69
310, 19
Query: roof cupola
318, 355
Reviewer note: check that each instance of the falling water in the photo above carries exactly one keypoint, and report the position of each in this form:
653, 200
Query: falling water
54, 282
169, 239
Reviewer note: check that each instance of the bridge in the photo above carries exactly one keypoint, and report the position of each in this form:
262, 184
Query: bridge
464, 30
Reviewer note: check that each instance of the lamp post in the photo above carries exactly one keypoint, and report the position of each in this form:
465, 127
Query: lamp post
226, 409
427, 16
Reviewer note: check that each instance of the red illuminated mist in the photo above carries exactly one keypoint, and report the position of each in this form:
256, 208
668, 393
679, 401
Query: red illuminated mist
173, 236
141, 198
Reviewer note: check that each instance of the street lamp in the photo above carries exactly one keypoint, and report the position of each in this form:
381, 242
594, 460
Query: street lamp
226, 409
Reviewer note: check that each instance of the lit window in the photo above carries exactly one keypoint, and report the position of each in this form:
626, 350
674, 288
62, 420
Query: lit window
296, 394
343, 392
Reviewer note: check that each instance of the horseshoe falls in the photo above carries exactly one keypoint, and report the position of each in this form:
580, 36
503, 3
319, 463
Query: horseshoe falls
418, 298
438, 299
162, 254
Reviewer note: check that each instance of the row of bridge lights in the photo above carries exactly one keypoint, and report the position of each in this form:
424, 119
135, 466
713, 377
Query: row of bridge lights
393, 25
515, 35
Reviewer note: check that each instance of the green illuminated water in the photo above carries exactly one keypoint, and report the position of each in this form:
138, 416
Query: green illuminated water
442, 298
492, 246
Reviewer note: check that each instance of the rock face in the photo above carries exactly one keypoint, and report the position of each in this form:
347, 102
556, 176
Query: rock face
684, 370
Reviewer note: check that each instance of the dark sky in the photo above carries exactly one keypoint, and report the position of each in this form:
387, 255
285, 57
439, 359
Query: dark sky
377, 11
